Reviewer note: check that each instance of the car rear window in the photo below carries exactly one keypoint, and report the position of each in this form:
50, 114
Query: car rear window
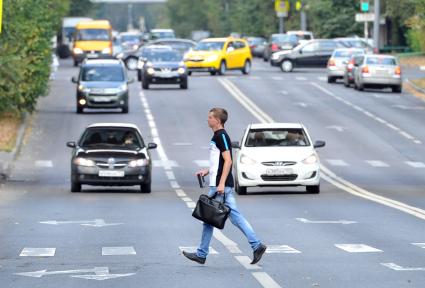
381, 61
103, 73
276, 137
111, 138
346, 53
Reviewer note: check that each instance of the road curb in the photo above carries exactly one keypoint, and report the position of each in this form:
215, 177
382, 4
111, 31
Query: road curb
416, 87
6, 158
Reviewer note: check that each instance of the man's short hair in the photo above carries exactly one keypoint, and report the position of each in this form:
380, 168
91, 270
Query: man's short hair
220, 114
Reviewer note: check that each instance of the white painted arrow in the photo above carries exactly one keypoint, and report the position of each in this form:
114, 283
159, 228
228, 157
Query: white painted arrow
337, 128
396, 267
91, 223
102, 277
344, 222
101, 273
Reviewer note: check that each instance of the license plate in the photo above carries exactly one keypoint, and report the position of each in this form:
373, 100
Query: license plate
92, 55
111, 173
165, 75
101, 99
279, 171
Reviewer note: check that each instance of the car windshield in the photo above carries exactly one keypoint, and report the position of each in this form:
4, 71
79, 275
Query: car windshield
103, 73
161, 35
111, 138
276, 137
381, 61
209, 46
93, 35
162, 56
69, 32
130, 38
346, 54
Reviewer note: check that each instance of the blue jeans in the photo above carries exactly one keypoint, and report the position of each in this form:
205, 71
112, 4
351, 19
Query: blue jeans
236, 218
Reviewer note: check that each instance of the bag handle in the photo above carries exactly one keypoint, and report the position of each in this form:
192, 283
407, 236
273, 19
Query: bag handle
215, 195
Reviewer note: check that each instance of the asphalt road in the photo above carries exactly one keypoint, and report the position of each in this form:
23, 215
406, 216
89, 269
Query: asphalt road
365, 228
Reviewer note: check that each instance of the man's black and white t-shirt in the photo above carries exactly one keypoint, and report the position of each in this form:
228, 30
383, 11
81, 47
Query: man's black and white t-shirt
220, 142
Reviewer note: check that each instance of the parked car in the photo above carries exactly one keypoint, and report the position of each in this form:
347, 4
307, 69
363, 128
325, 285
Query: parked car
314, 53
279, 42
111, 154
257, 45
337, 64
378, 71
164, 67
102, 83
216, 55
276, 154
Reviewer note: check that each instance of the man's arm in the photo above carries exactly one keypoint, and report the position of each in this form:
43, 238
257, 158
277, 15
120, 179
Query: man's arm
227, 166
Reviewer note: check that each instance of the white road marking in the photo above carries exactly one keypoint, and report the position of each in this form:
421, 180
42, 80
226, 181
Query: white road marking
191, 205
229, 244
337, 162
101, 273
38, 252
118, 251
170, 175
331, 177
186, 199
91, 223
277, 78
357, 248
300, 78
302, 104
283, 92
180, 193
404, 107
344, 222
367, 113
245, 262
174, 184
43, 164
193, 249
164, 163
182, 144
202, 163
265, 280
396, 267
322, 78
281, 249
415, 164
420, 245
377, 163
337, 128
254, 77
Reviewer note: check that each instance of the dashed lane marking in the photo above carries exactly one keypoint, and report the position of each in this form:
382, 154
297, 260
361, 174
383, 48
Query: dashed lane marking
43, 164
281, 249
246, 262
337, 162
265, 280
377, 163
38, 252
415, 164
357, 248
118, 251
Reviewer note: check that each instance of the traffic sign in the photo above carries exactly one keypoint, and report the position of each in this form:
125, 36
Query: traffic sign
281, 6
365, 17
1, 12
364, 6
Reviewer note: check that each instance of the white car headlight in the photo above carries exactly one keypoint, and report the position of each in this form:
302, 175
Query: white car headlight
123, 88
140, 64
181, 70
275, 56
84, 162
150, 71
247, 160
312, 159
211, 58
83, 89
107, 51
77, 51
137, 163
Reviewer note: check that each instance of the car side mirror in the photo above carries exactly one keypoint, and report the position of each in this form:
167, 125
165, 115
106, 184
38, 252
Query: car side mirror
71, 144
152, 146
74, 79
131, 80
319, 144
236, 145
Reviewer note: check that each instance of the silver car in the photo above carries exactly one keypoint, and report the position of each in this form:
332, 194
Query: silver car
338, 62
377, 71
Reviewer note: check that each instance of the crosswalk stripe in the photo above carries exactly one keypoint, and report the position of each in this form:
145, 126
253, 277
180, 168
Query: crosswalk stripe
118, 251
265, 280
38, 252
336, 162
246, 262
415, 164
280, 249
377, 163
420, 245
357, 248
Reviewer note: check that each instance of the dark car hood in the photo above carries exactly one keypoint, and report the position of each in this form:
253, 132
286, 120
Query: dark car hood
104, 154
102, 84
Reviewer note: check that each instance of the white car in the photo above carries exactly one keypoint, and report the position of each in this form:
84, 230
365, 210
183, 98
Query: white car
276, 154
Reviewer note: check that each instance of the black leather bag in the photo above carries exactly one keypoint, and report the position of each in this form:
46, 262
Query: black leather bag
211, 211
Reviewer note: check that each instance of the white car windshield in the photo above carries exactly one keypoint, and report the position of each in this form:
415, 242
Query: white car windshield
276, 137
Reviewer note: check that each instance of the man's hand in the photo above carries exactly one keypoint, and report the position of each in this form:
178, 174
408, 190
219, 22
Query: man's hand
220, 188
203, 172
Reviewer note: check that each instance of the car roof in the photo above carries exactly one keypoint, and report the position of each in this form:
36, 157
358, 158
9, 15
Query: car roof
102, 62
156, 46
114, 125
275, 125
380, 56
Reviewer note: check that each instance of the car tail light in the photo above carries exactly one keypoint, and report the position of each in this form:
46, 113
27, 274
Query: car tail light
350, 65
275, 47
397, 70
252, 46
331, 62
365, 70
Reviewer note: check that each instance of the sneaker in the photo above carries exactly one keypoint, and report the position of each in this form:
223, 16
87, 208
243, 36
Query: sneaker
258, 253
194, 257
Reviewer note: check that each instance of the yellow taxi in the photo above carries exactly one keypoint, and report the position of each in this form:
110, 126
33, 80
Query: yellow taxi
216, 55
92, 39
